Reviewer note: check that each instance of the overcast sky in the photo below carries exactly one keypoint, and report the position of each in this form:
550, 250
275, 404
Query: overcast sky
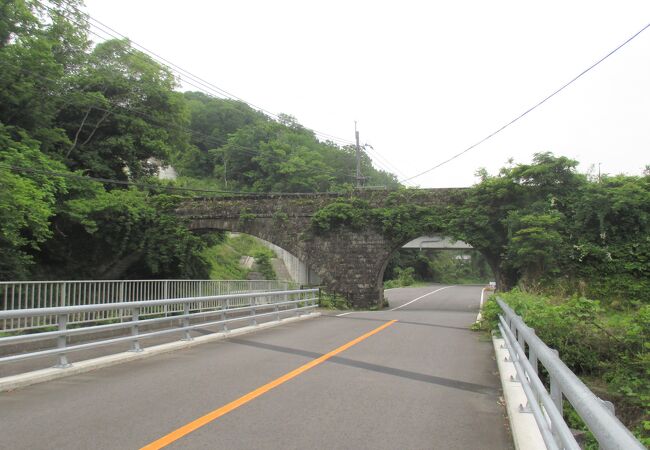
424, 79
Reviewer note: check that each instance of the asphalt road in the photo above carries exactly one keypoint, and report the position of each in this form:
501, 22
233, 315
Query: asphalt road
423, 382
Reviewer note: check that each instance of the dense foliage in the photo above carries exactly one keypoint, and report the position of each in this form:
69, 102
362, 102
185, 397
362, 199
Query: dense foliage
430, 265
537, 225
545, 225
239, 148
70, 109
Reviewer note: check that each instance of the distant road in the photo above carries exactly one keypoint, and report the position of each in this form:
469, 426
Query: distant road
422, 382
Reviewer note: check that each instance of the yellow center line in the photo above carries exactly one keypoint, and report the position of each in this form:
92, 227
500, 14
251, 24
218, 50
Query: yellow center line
213, 415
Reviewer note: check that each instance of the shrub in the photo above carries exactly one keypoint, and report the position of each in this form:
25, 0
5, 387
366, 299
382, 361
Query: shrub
333, 301
405, 276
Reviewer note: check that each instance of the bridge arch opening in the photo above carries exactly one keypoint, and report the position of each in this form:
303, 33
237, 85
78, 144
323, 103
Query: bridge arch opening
236, 254
294, 268
435, 259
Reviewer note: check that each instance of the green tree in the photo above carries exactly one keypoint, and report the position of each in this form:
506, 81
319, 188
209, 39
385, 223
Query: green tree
123, 113
515, 218
121, 233
39, 45
212, 122
27, 201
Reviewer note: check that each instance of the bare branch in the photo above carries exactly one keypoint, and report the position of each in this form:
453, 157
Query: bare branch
99, 122
76, 136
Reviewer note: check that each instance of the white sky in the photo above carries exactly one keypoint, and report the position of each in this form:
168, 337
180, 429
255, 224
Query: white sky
424, 79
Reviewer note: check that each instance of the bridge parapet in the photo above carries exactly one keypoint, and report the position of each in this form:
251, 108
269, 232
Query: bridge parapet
306, 204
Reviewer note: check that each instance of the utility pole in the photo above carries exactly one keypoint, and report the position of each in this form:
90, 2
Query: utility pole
599, 172
356, 135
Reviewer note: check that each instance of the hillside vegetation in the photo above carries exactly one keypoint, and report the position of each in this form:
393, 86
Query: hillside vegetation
224, 258
70, 110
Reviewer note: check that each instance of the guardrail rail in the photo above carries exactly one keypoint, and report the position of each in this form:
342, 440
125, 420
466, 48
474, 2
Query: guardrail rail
546, 406
245, 307
51, 294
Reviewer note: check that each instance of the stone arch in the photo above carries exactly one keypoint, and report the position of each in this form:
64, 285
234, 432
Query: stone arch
295, 260
347, 261
254, 228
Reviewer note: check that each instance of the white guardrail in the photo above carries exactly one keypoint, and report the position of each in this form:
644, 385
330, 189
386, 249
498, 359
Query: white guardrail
546, 406
50, 294
257, 304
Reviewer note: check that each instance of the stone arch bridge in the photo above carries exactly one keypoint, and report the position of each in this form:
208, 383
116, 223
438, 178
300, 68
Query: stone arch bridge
349, 262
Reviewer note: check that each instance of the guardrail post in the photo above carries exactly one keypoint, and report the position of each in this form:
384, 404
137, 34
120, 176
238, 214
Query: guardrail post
224, 326
121, 299
277, 312
166, 296
521, 340
61, 341
556, 391
186, 322
532, 356
253, 305
62, 299
135, 318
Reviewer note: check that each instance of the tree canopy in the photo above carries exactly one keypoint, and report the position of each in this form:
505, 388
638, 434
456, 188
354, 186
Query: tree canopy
70, 108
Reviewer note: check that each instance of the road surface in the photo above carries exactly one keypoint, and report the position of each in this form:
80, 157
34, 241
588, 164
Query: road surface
362, 381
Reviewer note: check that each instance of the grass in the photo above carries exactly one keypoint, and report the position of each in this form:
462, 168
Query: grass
224, 257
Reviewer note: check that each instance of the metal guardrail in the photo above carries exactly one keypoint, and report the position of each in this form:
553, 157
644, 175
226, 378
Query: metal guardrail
546, 406
50, 294
278, 302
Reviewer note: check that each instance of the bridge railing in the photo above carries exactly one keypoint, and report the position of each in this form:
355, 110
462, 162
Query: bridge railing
546, 406
229, 309
49, 294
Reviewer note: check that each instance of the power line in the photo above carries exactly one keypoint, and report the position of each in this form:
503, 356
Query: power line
178, 72
387, 163
112, 181
140, 184
195, 78
155, 121
165, 125
149, 186
203, 85
532, 108
184, 74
